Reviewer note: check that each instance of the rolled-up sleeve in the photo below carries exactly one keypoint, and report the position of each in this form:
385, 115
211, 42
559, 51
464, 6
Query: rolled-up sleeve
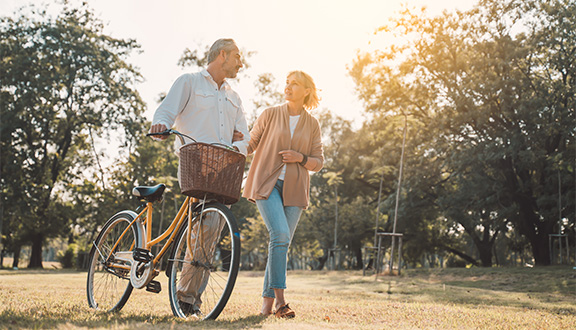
316, 158
256, 132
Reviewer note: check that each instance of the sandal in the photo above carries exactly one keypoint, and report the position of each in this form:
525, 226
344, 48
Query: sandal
284, 312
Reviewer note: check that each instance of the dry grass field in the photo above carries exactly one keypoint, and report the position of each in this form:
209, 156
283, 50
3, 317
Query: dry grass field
476, 298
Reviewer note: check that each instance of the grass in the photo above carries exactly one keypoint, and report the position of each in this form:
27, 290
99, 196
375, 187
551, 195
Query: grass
476, 298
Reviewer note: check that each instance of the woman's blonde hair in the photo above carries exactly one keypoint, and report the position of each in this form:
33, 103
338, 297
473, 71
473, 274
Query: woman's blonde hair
312, 100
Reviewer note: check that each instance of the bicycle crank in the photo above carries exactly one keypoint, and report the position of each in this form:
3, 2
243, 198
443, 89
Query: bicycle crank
141, 274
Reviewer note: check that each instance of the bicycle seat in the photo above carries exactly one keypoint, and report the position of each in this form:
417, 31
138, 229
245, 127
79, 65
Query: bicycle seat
150, 194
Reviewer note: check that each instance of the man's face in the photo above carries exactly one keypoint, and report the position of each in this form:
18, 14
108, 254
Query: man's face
232, 63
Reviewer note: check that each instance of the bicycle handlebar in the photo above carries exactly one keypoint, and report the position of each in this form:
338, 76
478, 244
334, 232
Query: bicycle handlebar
182, 136
170, 132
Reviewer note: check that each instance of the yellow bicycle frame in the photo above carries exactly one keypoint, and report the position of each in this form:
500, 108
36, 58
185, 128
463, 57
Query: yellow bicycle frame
146, 217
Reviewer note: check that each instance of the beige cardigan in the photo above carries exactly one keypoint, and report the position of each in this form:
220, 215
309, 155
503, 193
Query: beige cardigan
270, 135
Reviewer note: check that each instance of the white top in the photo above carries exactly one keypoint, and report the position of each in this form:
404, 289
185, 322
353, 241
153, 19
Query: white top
195, 106
293, 123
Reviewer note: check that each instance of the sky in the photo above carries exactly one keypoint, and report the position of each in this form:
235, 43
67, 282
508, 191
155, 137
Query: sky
320, 37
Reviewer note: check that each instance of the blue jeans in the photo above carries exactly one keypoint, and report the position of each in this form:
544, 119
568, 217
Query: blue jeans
281, 222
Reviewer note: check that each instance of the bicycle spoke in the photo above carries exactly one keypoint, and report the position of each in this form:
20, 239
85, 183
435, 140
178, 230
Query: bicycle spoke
207, 283
108, 286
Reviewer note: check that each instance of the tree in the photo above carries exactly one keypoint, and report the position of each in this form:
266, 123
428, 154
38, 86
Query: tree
491, 93
63, 83
348, 173
268, 92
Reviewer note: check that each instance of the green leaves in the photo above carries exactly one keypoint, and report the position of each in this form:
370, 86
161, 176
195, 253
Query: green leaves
61, 77
490, 97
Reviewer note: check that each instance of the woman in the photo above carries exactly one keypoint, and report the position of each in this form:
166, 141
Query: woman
287, 143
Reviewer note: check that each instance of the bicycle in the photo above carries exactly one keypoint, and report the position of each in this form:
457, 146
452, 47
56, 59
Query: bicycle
205, 248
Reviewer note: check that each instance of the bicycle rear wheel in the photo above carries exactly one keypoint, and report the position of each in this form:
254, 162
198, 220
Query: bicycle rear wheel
201, 278
108, 285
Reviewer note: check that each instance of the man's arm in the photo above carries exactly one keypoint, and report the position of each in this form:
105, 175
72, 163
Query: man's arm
173, 103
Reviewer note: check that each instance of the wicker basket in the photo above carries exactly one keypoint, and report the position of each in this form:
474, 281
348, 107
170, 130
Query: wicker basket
211, 171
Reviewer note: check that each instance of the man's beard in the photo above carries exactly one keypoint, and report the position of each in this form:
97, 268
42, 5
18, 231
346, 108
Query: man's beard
231, 72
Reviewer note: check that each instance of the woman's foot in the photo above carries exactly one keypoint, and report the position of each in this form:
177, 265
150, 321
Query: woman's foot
284, 312
267, 304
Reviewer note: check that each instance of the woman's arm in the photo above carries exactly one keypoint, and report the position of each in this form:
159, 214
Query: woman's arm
315, 161
257, 131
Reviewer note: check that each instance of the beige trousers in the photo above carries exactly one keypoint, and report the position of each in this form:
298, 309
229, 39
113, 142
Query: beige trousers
199, 257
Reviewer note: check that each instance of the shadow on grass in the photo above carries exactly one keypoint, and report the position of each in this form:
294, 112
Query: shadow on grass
557, 280
550, 288
10, 319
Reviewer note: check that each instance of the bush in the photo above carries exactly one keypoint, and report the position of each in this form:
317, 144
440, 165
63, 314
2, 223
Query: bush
68, 257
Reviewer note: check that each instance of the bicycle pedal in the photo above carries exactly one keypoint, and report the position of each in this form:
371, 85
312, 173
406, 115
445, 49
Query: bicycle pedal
154, 286
142, 255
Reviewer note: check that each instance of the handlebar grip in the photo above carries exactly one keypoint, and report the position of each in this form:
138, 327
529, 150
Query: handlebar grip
170, 132
166, 132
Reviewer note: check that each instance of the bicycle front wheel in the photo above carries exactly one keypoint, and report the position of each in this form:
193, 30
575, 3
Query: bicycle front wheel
108, 286
204, 264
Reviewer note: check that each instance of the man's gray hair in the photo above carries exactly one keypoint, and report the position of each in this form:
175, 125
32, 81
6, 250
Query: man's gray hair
226, 45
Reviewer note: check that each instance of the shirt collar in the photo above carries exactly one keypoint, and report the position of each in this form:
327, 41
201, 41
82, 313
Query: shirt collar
208, 76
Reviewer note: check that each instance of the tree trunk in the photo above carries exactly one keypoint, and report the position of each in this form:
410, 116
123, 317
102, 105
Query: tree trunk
322, 260
36, 255
536, 232
461, 255
528, 222
359, 261
541, 250
16, 259
485, 245
485, 253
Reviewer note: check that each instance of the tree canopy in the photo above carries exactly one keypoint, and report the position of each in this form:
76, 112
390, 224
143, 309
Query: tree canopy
490, 96
63, 83
487, 96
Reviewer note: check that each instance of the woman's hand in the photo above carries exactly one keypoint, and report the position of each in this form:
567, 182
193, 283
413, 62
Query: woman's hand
237, 136
291, 156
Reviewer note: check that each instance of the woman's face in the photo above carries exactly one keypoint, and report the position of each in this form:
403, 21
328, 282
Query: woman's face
295, 91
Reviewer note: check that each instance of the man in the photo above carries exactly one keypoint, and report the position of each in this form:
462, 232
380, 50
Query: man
204, 106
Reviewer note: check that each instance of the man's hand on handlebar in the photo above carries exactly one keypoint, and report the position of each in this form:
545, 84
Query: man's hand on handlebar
158, 128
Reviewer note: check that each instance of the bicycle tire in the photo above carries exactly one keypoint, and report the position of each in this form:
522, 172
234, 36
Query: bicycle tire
213, 267
108, 288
